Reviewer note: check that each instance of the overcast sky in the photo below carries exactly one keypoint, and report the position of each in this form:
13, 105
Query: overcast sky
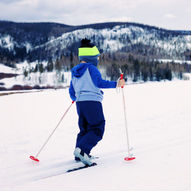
169, 14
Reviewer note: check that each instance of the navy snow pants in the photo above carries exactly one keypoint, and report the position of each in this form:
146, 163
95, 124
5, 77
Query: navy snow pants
91, 123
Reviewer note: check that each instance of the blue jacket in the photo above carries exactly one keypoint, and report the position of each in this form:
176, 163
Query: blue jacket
86, 83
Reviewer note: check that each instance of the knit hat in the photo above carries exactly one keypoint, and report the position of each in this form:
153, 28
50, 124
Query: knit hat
88, 52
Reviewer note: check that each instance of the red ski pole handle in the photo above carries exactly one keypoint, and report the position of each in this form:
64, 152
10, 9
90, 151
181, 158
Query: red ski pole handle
121, 78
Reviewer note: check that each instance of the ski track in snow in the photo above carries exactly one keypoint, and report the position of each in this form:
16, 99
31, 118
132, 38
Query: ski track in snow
158, 116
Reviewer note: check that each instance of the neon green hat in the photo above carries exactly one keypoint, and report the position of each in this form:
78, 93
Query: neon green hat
88, 51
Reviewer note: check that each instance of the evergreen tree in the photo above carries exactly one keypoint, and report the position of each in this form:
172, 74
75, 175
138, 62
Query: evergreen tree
25, 73
158, 75
136, 66
36, 69
41, 68
168, 74
58, 65
50, 66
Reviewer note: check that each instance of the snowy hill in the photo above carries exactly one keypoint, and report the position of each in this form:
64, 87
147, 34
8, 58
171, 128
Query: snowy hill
159, 129
44, 41
159, 43
42, 54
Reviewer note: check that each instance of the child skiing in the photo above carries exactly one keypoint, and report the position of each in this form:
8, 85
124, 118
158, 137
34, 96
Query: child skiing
85, 91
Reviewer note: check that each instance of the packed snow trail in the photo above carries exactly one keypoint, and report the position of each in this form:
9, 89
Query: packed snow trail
158, 116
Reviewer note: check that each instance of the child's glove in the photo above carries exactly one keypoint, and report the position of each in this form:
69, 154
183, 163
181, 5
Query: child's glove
120, 83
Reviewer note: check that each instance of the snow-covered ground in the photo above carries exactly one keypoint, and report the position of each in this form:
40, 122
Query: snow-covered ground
159, 125
53, 78
6, 69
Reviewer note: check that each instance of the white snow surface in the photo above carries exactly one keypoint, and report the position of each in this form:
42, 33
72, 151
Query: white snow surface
6, 69
6, 42
53, 78
158, 116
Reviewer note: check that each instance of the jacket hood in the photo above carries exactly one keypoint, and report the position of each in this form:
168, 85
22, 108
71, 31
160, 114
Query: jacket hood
79, 70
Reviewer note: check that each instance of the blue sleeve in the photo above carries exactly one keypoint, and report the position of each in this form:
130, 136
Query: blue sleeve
72, 92
97, 79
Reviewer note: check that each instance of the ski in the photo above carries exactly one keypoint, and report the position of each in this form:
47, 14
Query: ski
81, 167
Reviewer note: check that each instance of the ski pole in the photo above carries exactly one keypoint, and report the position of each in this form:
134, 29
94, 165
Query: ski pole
35, 157
129, 157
